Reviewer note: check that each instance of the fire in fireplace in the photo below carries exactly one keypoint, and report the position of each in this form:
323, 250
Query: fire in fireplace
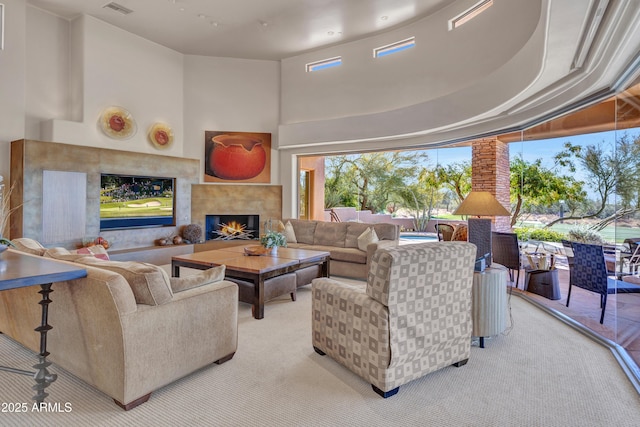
232, 227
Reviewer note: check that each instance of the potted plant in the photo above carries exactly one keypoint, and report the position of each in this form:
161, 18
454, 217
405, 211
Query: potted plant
272, 240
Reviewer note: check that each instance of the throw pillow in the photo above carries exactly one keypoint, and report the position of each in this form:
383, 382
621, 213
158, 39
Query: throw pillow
289, 233
65, 255
149, 283
201, 278
368, 236
97, 251
29, 246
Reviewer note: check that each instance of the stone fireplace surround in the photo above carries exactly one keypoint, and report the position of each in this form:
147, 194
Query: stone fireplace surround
193, 201
236, 199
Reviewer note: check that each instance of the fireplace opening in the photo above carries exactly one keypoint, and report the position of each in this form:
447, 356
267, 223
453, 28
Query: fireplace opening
232, 227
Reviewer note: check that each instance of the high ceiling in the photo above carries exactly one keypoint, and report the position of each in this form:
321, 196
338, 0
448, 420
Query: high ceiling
252, 29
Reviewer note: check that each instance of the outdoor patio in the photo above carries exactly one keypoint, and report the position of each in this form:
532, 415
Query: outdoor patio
622, 317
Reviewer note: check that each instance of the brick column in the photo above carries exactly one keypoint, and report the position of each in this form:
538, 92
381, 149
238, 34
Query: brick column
490, 172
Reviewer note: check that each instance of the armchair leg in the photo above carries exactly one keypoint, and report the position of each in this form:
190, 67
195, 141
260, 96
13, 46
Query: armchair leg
225, 359
461, 363
320, 352
385, 394
133, 404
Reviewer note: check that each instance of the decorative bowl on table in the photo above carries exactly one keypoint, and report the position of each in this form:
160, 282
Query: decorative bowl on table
256, 250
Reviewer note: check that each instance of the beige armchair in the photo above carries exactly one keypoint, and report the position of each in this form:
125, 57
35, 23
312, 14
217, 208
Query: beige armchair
414, 317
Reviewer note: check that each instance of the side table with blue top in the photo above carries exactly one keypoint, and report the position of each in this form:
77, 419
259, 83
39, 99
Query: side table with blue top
19, 270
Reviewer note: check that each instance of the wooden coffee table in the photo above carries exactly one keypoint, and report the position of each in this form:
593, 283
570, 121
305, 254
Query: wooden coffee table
254, 269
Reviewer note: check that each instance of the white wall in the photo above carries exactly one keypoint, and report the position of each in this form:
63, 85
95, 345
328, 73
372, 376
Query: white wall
12, 81
47, 70
226, 94
108, 66
112, 67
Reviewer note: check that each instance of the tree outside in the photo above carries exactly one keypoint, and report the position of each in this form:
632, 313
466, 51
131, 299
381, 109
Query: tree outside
591, 184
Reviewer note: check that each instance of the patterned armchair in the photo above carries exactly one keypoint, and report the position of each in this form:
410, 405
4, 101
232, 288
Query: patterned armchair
414, 317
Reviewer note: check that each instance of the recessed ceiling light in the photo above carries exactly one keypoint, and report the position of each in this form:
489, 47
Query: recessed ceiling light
214, 23
384, 18
202, 15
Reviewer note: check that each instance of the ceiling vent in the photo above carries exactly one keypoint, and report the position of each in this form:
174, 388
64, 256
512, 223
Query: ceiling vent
118, 8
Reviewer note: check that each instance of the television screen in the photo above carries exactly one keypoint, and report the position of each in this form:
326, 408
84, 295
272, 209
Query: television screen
136, 201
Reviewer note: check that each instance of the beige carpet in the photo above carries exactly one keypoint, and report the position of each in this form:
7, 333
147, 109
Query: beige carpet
541, 374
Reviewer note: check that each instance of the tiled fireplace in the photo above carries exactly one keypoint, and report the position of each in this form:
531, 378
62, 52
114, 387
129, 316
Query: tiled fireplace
232, 227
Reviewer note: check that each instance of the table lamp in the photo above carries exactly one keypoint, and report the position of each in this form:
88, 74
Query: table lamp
481, 203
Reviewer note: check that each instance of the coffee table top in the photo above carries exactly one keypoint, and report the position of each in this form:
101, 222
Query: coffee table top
235, 259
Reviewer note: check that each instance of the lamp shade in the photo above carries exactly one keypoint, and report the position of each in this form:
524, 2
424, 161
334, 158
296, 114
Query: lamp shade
481, 203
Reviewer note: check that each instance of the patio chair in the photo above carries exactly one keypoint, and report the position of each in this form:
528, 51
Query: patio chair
631, 259
506, 252
588, 270
445, 232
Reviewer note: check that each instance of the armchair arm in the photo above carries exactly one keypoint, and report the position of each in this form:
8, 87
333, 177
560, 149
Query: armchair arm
166, 342
351, 327
373, 247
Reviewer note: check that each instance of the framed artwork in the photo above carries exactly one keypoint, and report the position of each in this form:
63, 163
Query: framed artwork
237, 157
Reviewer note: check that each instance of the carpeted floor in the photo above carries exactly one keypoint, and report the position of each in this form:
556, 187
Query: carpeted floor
542, 373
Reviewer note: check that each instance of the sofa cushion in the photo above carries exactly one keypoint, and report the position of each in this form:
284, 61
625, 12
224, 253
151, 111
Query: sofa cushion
29, 246
289, 233
386, 231
368, 236
353, 255
330, 234
354, 230
304, 230
150, 284
201, 278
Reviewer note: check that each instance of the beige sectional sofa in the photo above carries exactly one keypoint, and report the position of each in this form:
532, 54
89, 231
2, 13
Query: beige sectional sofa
349, 258
127, 328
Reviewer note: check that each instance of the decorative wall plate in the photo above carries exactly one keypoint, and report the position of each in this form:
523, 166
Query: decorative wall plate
161, 135
117, 123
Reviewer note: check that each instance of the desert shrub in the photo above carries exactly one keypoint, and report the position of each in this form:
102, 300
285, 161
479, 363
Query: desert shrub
583, 234
542, 234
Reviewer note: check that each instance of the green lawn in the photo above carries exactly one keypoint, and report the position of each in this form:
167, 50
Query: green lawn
136, 208
610, 233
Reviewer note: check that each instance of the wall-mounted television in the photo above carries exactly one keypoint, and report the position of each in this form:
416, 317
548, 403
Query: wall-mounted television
129, 201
